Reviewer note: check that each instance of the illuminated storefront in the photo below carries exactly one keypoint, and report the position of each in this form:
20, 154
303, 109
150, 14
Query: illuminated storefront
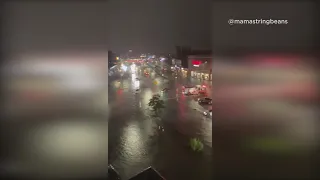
184, 72
200, 67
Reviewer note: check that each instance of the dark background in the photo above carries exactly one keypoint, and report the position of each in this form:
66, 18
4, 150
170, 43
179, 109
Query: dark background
300, 34
62, 26
155, 26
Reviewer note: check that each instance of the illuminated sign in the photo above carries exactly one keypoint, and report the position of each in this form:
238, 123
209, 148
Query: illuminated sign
196, 63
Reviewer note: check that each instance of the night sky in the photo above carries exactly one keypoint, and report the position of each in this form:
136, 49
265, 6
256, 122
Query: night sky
157, 26
118, 25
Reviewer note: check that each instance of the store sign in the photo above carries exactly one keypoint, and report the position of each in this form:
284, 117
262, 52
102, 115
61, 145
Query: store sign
196, 63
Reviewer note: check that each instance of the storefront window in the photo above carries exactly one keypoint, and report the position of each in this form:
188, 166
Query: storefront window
207, 76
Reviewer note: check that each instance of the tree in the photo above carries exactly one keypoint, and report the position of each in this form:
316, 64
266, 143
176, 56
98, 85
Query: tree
156, 103
196, 145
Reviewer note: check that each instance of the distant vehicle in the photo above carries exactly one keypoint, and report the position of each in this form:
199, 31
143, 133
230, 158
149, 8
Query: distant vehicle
190, 91
185, 87
205, 100
203, 92
165, 90
208, 113
201, 89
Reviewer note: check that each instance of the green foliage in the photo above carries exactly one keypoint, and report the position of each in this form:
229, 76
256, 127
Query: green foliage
196, 145
156, 103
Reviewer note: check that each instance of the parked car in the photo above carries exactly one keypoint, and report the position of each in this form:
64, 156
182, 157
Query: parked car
165, 90
205, 100
190, 92
208, 113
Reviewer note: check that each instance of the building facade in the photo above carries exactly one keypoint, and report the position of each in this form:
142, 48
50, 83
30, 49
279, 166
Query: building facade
176, 62
200, 67
182, 53
112, 59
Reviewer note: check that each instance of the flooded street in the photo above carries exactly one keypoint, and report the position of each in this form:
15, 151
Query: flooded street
138, 140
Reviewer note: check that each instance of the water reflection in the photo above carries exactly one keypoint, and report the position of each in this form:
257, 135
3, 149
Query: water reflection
206, 131
133, 143
147, 95
133, 77
138, 142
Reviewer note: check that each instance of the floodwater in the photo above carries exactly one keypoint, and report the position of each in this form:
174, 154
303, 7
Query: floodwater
137, 140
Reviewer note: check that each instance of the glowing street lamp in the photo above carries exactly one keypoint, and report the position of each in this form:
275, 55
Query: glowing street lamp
124, 68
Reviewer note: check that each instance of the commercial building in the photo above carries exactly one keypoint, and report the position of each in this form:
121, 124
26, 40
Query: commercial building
200, 67
112, 59
194, 63
176, 62
182, 54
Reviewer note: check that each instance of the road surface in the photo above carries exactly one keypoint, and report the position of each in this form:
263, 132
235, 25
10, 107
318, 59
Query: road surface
135, 140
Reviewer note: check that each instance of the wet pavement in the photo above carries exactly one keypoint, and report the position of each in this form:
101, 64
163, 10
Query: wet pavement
137, 140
